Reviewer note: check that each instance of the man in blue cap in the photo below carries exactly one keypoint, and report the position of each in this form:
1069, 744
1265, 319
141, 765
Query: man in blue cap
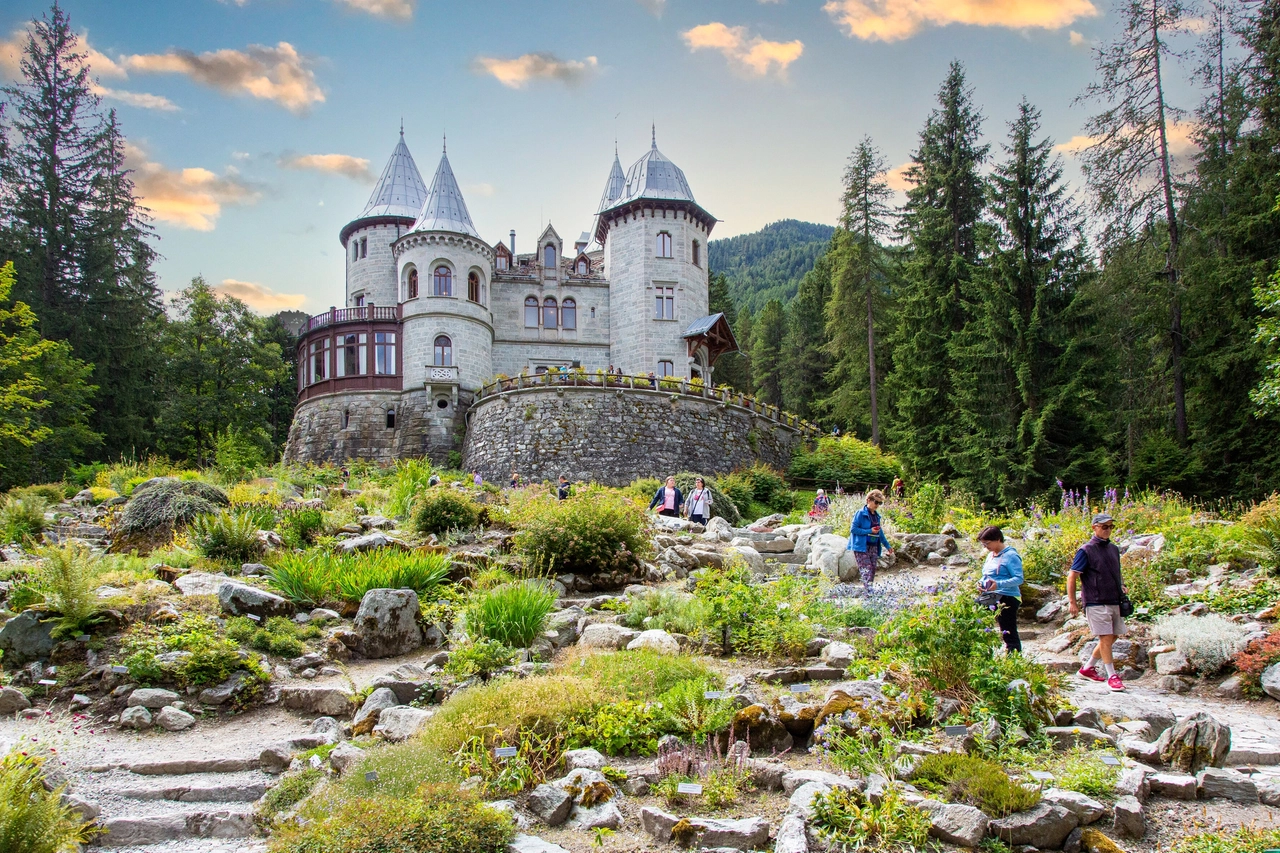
1097, 567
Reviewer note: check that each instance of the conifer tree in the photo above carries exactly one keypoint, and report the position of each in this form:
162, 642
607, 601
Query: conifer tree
732, 368
766, 347
941, 221
806, 351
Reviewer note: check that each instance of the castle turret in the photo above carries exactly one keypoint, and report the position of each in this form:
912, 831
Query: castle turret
443, 268
655, 256
389, 213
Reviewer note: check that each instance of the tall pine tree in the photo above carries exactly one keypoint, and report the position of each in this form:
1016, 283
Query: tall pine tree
806, 353
767, 330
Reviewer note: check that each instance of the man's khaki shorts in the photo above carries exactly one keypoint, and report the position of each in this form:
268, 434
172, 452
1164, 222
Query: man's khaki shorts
1105, 619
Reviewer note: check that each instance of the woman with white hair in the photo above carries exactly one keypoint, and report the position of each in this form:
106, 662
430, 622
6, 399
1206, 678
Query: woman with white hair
821, 505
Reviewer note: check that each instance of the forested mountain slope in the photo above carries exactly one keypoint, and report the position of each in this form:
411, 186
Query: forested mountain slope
769, 263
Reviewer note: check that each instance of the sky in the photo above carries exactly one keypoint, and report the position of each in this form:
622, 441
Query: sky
257, 127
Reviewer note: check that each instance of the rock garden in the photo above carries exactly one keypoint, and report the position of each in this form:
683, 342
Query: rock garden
399, 659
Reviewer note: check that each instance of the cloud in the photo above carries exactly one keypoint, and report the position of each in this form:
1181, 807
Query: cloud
259, 297
189, 198
11, 56
896, 177
356, 168
401, 9
1182, 144
136, 99
655, 7
515, 73
485, 190
1078, 40
751, 54
278, 74
893, 20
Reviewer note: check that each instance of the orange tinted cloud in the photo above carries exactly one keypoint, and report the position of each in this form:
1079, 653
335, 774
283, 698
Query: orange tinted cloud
893, 20
259, 297
279, 74
356, 168
516, 73
752, 55
189, 198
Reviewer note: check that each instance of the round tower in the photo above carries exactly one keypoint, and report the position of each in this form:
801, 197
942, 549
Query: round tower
390, 212
442, 271
655, 256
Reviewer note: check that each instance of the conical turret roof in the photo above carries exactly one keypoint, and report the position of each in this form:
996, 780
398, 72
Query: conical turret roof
401, 190
444, 208
653, 176
613, 186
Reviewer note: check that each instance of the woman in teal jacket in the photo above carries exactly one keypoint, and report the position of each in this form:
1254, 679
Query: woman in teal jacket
866, 537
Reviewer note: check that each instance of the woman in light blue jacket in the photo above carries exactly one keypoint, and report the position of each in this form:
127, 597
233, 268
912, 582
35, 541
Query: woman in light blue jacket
866, 537
1002, 574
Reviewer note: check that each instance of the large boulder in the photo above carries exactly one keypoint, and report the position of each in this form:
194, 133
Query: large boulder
1271, 681
918, 546
241, 599
325, 701
409, 681
792, 836
136, 717
954, 823
748, 555
1130, 818
387, 623
200, 583
151, 697
655, 640
1066, 737
1044, 825
1194, 743
401, 723
1086, 808
25, 638
12, 700
221, 694
367, 717
829, 554
762, 729
718, 530
606, 635
1227, 784
345, 756
564, 623
172, 720
551, 804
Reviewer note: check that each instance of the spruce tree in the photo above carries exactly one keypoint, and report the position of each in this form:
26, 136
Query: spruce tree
766, 348
806, 351
731, 368
940, 222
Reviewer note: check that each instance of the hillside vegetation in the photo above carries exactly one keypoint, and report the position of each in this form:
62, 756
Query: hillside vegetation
769, 263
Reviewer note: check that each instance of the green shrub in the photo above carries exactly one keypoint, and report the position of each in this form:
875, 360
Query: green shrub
1246, 839
848, 821
1264, 537
33, 819
944, 640
230, 535
722, 505
481, 657
316, 577
513, 614
438, 819
684, 710
300, 528
925, 512
975, 781
212, 659
50, 493
845, 460
760, 619
616, 728
237, 453
642, 674
1046, 560
289, 791
410, 482
1082, 770
440, 510
665, 610
158, 509
65, 579
21, 519
596, 530
277, 636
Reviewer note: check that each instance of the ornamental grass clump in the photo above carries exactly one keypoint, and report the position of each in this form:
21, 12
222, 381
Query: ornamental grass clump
22, 518
313, 578
160, 507
1208, 642
595, 530
230, 536
34, 819
513, 614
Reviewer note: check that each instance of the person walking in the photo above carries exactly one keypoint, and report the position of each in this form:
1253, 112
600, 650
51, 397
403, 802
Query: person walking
866, 537
515, 479
899, 488
562, 490
1096, 568
1002, 575
476, 479
699, 504
670, 498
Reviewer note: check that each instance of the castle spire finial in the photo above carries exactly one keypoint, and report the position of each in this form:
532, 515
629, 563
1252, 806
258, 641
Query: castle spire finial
654, 129
402, 127
445, 145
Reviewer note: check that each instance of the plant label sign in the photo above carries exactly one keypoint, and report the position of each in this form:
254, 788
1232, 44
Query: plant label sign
83, 638
1109, 760
800, 688
371, 776
120, 670
47, 682
713, 694
1041, 776
688, 788
254, 618
506, 751
955, 731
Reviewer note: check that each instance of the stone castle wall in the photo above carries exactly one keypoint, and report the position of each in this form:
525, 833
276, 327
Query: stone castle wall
318, 434
613, 436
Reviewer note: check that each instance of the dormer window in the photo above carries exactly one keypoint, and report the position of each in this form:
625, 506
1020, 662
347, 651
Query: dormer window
549, 256
583, 266
503, 263
664, 244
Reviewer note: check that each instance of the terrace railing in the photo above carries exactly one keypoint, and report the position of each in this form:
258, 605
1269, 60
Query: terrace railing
365, 313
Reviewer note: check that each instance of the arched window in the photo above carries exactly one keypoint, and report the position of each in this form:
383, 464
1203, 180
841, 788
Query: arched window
664, 245
569, 314
549, 313
697, 261
549, 256
531, 312
473, 286
413, 284
583, 266
444, 281
443, 352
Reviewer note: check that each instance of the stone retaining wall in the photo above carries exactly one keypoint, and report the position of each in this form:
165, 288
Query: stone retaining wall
616, 435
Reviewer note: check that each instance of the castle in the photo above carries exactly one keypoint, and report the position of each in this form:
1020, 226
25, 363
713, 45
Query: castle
433, 311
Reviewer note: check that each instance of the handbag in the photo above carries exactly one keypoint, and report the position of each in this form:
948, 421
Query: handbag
1126, 606
989, 600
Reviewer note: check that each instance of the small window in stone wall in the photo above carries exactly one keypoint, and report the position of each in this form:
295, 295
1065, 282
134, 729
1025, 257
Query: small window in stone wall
696, 254
391, 418
531, 312
442, 403
443, 353
666, 368
364, 247
346, 418
355, 250
413, 285
664, 245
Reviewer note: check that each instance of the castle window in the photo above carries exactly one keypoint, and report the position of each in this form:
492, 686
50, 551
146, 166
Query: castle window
664, 303
531, 312
443, 354
666, 368
320, 360
353, 355
583, 266
413, 285
346, 418
444, 281
697, 261
364, 247
549, 313
384, 353
664, 244
549, 256
473, 287
360, 301
569, 314
391, 418
593, 312
355, 250
502, 263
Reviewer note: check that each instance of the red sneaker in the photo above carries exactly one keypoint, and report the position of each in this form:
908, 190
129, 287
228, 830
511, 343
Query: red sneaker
1091, 673
1116, 685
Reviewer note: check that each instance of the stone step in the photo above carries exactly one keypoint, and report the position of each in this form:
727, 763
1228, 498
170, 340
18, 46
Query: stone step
787, 559
134, 830
230, 792
185, 766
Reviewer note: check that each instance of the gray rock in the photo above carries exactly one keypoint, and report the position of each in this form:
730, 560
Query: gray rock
87, 810
1086, 809
551, 804
533, 844
748, 555
1233, 687
1228, 784
1133, 782
78, 702
954, 823
1174, 663
200, 583
655, 640
1175, 786
564, 624
588, 759
801, 802
1065, 737
227, 690
1130, 819
1270, 677
25, 638
796, 778
240, 599
606, 635
657, 823
745, 834
326, 701
172, 720
1269, 795
602, 816
387, 623
1147, 753
367, 717
1175, 683
1195, 742
254, 570
324, 614
137, 717
327, 728
12, 700
1125, 653
151, 697
793, 837
407, 681
367, 543
345, 756
1045, 826
839, 655
276, 759
401, 723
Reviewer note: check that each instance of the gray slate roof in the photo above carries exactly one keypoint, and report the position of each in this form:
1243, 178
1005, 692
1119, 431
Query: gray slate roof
444, 208
613, 187
400, 191
702, 325
654, 176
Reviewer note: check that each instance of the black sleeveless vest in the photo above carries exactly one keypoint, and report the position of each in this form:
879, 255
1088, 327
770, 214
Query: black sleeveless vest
1101, 578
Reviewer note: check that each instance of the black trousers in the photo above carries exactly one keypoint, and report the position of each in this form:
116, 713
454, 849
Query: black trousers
1007, 619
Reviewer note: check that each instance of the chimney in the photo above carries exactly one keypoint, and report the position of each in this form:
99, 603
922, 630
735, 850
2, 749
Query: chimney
513, 247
